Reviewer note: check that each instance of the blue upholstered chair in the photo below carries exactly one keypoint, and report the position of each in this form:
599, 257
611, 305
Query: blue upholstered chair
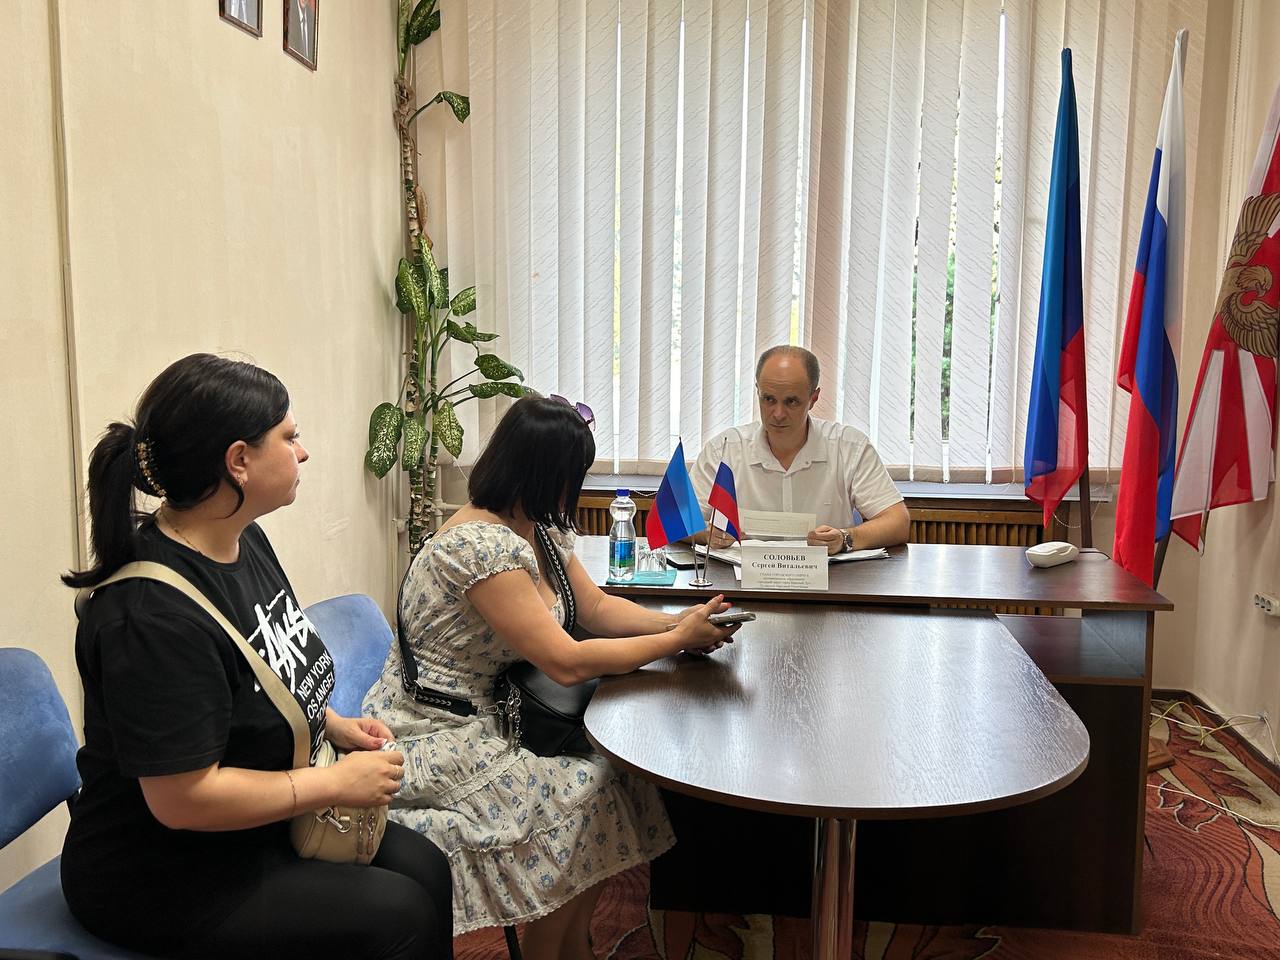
357, 635
38, 768
38, 772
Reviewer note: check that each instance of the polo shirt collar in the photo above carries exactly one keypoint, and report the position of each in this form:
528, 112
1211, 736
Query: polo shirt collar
813, 451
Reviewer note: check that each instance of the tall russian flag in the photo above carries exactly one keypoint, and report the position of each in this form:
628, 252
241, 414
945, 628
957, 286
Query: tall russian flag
1149, 354
675, 513
1058, 418
1228, 446
725, 499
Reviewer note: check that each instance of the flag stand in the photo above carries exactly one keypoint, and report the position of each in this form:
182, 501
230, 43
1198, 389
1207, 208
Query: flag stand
702, 581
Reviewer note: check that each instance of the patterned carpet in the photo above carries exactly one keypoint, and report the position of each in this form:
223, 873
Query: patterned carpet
1211, 886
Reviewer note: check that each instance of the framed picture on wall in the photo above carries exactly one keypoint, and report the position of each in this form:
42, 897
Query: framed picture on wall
245, 14
300, 18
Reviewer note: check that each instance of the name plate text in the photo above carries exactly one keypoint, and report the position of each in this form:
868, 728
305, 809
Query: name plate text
784, 566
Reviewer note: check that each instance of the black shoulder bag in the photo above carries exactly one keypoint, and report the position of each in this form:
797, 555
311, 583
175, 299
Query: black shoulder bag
541, 715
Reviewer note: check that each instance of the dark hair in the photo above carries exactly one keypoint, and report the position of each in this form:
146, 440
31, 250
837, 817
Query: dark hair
175, 448
537, 458
811, 368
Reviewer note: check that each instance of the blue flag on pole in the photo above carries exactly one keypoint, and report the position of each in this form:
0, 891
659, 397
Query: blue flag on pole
675, 513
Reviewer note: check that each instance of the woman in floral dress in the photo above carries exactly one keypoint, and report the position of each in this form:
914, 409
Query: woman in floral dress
528, 838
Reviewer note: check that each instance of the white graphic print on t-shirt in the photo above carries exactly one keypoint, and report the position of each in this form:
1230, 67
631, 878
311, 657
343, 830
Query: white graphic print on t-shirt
284, 639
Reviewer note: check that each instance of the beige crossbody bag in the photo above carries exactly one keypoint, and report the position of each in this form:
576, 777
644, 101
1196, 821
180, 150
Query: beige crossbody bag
336, 834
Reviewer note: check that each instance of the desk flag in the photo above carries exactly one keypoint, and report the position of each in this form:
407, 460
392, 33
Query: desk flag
675, 513
1149, 354
725, 499
1058, 419
1228, 445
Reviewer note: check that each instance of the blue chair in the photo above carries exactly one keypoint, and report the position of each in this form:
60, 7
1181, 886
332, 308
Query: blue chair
38, 772
357, 635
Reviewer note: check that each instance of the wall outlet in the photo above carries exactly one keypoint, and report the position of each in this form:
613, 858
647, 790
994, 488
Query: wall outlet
1267, 604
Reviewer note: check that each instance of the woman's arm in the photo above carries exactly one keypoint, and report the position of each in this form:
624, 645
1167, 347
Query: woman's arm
609, 616
511, 605
232, 798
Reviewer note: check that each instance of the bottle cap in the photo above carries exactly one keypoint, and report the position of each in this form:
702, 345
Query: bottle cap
624, 492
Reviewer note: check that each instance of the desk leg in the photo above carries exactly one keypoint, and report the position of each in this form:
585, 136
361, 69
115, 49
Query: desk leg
833, 889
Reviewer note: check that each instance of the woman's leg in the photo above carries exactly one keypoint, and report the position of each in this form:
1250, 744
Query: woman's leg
409, 853
565, 934
310, 909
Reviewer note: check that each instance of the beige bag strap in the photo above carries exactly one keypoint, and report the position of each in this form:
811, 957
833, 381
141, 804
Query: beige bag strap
273, 686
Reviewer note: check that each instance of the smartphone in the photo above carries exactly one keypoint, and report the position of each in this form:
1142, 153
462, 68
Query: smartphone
730, 618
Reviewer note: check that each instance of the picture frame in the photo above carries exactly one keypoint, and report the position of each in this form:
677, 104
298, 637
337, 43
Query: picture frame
301, 18
245, 14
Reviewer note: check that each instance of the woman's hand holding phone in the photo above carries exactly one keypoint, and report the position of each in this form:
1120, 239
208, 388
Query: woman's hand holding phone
695, 633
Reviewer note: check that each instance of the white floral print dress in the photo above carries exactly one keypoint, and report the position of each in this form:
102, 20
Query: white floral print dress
524, 834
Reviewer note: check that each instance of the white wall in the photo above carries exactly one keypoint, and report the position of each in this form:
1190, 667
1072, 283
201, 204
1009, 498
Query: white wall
219, 196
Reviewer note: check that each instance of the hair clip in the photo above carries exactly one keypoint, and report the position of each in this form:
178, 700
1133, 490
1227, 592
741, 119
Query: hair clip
143, 455
584, 411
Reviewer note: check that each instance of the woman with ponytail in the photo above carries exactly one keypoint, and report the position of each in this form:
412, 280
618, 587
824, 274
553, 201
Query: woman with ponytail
178, 842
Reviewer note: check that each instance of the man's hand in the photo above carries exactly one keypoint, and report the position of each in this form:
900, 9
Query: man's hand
830, 537
719, 539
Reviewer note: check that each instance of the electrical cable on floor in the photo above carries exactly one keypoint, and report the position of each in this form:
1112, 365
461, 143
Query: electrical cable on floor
1275, 753
1162, 787
1239, 720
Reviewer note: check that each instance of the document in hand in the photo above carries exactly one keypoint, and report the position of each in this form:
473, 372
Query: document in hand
733, 552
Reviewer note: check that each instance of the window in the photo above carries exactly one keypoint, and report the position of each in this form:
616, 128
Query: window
650, 193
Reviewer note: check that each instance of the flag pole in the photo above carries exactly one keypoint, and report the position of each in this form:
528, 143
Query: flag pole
1086, 517
702, 581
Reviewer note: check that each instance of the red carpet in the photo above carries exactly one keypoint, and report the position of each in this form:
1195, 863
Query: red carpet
1211, 887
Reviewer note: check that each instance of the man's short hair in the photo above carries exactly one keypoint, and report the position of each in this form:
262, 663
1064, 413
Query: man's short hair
811, 368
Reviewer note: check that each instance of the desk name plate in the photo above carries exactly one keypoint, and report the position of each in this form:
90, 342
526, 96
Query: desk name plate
784, 566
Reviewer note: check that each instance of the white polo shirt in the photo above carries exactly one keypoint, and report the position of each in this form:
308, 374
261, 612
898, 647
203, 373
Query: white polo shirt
836, 472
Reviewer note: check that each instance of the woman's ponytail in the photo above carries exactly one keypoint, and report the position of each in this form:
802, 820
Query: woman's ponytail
113, 514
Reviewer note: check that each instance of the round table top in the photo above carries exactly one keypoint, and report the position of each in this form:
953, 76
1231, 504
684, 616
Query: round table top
847, 712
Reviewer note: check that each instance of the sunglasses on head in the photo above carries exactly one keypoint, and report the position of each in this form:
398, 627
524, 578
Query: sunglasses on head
584, 411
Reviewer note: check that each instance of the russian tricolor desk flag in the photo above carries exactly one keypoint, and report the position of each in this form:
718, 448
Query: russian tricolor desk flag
1058, 419
1148, 367
675, 513
724, 498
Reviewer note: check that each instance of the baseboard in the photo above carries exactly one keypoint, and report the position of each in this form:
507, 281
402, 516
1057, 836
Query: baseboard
1161, 693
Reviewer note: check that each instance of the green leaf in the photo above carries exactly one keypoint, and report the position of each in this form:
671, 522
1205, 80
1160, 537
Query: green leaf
421, 30
486, 390
444, 279
464, 302
385, 425
461, 105
425, 21
447, 428
493, 367
460, 333
435, 283
411, 293
415, 441
402, 29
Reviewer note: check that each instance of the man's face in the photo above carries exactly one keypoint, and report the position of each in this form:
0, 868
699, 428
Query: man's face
785, 399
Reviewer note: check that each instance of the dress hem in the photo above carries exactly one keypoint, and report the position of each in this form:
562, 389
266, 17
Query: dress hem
461, 926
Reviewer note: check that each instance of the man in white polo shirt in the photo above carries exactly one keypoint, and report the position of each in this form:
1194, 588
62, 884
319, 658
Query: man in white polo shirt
791, 462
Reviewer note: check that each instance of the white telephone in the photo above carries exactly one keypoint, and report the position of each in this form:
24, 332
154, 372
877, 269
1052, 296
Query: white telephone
1052, 553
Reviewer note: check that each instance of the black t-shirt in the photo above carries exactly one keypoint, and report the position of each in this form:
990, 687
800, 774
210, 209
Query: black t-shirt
166, 691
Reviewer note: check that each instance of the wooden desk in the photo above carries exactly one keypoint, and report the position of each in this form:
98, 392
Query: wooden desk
841, 715
1071, 860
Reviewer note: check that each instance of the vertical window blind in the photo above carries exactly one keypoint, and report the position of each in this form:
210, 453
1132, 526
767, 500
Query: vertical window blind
650, 192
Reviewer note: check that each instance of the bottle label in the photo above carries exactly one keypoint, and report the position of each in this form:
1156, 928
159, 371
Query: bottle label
622, 553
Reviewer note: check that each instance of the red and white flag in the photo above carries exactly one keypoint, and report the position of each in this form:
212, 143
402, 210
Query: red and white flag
1228, 446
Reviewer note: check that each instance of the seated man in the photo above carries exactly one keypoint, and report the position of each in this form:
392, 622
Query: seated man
791, 462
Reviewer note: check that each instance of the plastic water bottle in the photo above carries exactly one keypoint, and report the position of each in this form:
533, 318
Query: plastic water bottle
622, 537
